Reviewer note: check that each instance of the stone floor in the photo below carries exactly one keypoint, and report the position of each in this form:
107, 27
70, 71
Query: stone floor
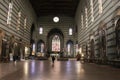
61, 70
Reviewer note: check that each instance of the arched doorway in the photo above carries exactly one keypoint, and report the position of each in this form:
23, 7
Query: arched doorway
118, 38
40, 48
55, 41
70, 48
91, 55
91, 51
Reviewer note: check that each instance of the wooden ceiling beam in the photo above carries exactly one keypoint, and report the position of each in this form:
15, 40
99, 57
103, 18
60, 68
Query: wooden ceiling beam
42, 7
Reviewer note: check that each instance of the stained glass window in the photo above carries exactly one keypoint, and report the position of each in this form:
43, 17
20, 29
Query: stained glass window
56, 43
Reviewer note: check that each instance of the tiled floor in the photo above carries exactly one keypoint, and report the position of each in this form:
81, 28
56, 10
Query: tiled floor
61, 70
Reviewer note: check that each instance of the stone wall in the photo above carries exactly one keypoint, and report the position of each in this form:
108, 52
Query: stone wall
46, 22
108, 17
26, 12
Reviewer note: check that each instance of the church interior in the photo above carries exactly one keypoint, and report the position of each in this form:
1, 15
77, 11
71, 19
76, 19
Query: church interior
82, 35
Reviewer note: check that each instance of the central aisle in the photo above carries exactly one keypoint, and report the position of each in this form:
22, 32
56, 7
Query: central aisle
61, 70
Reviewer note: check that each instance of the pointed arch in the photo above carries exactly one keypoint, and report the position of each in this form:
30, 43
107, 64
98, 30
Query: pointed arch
40, 46
69, 48
52, 33
102, 40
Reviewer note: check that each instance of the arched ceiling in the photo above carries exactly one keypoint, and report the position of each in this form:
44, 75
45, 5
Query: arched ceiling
55, 7
55, 31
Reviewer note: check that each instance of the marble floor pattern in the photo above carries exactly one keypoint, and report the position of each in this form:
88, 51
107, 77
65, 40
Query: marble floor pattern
61, 70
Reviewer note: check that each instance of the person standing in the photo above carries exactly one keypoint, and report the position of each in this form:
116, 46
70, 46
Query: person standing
53, 59
78, 57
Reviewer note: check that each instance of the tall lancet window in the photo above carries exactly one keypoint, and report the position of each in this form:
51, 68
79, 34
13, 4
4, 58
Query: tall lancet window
82, 24
86, 17
40, 30
100, 6
42, 47
33, 49
56, 43
68, 48
9, 13
19, 20
92, 13
25, 22
70, 31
